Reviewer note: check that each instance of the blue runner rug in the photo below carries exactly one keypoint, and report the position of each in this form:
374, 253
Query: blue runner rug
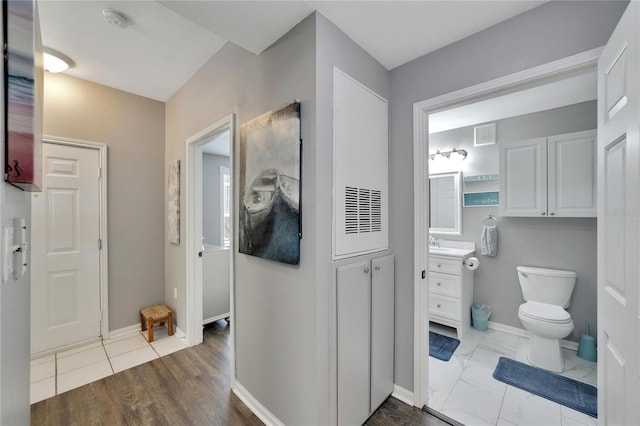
563, 390
442, 347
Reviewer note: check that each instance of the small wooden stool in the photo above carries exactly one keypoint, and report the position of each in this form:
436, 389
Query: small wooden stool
156, 314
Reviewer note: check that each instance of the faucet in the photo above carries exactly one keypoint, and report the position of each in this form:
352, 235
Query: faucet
433, 242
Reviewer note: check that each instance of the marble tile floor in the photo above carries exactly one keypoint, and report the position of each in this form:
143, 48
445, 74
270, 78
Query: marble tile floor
464, 389
60, 372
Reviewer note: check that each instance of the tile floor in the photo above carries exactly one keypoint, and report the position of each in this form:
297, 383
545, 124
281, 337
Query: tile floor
464, 389
57, 373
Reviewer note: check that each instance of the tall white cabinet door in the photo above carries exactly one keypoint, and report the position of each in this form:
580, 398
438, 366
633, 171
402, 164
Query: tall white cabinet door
353, 305
572, 174
523, 178
382, 329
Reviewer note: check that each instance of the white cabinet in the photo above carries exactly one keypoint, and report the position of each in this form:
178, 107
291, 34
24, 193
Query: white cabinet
360, 169
450, 293
553, 176
365, 318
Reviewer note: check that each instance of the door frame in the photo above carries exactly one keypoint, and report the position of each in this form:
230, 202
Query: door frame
193, 243
421, 111
103, 234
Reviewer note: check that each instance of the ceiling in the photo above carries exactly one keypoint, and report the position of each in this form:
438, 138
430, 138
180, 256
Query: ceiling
166, 42
572, 90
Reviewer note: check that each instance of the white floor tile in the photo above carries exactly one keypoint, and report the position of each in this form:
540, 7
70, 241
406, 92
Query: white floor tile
469, 343
500, 342
159, 332
471, 405
43, 369
83, 375
525, 409
133, 358
128, 344
78, 349
43, 389
80, 359
480, 375
443, 376
168, 345
522, 353
578, 368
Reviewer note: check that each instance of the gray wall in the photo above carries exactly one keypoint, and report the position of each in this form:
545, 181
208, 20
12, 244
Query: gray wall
212, 198
275, 304
560, 243
333, 48
133, 129
552, 31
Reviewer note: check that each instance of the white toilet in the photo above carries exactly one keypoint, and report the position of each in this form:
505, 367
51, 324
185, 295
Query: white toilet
546, 293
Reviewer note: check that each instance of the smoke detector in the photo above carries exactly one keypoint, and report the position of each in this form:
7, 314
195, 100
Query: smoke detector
115, 17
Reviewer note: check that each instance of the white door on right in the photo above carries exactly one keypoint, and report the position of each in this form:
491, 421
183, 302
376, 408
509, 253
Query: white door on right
619, 224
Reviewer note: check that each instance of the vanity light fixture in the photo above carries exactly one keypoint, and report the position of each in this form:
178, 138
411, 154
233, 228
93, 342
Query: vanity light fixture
454, 154
55, 61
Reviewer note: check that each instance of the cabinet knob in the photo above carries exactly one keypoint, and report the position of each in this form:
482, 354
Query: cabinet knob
543, 213
366, 270
377, 268
439, 265
438, 284
551, 214
439, 306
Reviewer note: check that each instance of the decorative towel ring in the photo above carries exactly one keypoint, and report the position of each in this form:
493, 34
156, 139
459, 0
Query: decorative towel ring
490, 220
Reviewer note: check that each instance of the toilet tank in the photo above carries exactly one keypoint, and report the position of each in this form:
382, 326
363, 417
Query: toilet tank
543, 285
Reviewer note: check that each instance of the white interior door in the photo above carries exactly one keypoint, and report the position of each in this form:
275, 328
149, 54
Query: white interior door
65, 262
619, 224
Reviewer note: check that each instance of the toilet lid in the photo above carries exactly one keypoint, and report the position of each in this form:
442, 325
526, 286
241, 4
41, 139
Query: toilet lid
545, 312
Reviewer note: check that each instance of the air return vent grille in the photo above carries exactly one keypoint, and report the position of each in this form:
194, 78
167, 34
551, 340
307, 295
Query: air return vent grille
363, 210
485, 134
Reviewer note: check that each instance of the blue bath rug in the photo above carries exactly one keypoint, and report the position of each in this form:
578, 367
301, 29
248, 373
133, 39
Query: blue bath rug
442, 347
563, 390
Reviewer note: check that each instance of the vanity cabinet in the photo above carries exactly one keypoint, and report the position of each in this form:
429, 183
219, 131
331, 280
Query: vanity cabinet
365, 326
553, 176
450, 292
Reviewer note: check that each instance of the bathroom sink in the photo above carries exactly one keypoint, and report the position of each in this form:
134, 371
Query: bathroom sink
438, 249
451, 251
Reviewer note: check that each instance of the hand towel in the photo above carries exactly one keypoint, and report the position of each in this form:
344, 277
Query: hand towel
489, 241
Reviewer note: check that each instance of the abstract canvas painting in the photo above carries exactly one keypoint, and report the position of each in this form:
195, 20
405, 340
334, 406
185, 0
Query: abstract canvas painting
173, 204
23, 100
270, 166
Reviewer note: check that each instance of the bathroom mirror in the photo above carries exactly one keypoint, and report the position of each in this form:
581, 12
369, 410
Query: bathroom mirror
445, 208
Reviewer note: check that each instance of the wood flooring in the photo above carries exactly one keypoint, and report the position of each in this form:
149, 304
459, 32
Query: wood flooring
188, 387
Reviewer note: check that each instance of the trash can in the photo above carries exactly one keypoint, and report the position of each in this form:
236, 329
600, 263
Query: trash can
480, 316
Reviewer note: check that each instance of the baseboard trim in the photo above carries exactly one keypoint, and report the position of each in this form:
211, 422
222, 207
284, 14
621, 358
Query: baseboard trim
567, 344
130, 329
403, 395
255, 406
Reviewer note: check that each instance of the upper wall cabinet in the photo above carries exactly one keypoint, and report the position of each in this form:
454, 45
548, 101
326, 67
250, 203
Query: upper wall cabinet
360, 169
553, 176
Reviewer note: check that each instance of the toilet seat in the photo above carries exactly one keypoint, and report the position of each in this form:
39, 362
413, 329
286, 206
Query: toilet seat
545, 312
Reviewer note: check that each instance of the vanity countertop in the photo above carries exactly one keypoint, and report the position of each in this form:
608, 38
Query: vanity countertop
459, 249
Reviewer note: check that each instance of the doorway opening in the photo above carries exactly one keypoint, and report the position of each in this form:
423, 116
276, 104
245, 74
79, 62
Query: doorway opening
210, 236
423, 166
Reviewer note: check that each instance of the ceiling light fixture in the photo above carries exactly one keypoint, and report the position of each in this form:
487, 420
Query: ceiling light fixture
55, 61
115, 17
